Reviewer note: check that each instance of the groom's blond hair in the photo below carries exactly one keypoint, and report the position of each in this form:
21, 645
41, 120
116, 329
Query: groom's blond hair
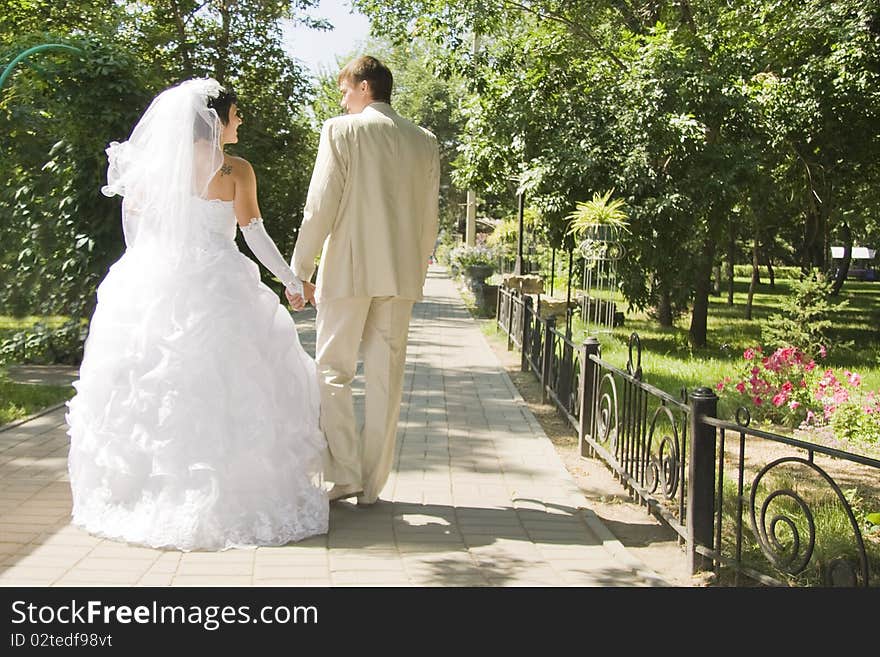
377, 75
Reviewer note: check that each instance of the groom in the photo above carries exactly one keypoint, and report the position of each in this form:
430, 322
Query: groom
372, 212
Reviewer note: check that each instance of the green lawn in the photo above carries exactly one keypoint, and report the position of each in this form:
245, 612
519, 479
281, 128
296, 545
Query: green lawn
18, 400
669, 363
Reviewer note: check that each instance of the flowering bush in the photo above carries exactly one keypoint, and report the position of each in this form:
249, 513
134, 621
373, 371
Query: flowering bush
789, 388
776, 388
464, 256
858, 422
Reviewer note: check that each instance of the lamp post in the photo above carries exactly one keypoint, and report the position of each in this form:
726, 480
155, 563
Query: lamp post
521, 212
31, 51
470, 232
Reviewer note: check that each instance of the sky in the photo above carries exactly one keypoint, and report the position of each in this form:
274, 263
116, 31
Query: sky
316, 48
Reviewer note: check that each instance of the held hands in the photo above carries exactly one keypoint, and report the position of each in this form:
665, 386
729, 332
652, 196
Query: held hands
296, 301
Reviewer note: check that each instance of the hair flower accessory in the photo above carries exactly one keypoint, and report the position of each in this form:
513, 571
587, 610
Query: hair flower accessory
207, 86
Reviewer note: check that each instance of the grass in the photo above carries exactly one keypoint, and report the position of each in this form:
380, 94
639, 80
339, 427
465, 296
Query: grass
18, 400
670, 363
834, 535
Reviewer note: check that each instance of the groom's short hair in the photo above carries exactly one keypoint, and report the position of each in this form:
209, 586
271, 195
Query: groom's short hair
374, 72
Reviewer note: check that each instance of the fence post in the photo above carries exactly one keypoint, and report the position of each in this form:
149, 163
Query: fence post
587, 384
510, 321
701, 480
546, 356
528, 311
498, 305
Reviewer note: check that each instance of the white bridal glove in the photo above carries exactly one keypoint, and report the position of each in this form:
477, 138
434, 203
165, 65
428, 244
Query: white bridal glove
267, 253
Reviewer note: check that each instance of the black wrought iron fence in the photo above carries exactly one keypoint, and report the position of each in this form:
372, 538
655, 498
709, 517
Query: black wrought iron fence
798, 510
795, 518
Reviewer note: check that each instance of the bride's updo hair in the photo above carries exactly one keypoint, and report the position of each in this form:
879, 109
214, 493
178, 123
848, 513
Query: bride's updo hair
223, 102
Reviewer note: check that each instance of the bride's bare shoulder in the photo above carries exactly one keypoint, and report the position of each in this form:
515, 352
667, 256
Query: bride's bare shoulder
237, 167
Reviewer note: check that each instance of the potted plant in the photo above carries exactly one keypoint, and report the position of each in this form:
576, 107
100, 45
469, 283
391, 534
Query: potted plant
477, 262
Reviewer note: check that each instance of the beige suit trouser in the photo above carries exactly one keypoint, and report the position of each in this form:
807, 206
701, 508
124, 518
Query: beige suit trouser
379, 327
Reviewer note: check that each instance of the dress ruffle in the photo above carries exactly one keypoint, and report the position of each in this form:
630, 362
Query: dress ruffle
195, 423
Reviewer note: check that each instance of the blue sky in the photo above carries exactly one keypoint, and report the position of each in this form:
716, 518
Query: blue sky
317, 48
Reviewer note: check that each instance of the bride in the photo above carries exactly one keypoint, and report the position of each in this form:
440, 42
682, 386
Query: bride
195, 419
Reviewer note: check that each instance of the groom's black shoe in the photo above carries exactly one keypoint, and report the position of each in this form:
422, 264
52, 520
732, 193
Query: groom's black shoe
340, 492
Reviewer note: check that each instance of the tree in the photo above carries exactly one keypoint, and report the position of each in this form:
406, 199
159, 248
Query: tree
61, 112
697, 112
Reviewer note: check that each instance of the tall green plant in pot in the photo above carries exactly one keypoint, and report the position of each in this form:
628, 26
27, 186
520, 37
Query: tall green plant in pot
602, 210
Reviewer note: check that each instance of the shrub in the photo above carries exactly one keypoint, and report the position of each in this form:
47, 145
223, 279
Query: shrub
789, 389
777, 388
42, 345
780, 272
464, 256
857, 423
806, 317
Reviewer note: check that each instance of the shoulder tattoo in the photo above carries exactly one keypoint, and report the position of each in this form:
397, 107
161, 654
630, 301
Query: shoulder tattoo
225, 170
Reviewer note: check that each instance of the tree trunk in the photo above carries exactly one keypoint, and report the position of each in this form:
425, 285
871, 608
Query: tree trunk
223, 44
731, 255
182, 44
843, 269
698, 333
716, 279
815, 227
664, 309
771, 273
753, 285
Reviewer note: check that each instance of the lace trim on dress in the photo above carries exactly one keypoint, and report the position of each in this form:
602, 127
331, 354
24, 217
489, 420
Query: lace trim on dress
253, 223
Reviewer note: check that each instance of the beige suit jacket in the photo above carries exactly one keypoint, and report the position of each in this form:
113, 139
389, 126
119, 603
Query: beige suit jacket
372, 207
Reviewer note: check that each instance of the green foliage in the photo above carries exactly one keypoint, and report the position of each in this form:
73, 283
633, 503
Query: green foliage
806, 317
779, 273
600, 211
714, 120
60, 234
42, 344
856, 423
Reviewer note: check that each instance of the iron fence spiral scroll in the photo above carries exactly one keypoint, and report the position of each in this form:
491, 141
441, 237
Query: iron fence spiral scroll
648, 438
662, 469
574, 398
555, 357
634, 370
607, 412
517, 320
564, 373
794, 554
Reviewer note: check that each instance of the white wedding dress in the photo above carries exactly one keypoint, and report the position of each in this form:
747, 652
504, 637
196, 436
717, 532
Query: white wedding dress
195, 420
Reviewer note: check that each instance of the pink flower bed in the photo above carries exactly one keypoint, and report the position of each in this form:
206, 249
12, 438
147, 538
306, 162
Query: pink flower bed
790, 389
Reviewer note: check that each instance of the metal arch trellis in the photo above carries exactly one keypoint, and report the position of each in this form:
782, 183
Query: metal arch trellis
30, 51
601, 249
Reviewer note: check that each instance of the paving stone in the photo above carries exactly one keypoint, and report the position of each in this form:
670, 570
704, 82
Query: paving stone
478, 495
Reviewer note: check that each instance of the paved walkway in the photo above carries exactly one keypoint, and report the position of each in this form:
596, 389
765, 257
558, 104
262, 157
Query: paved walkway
477, 496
